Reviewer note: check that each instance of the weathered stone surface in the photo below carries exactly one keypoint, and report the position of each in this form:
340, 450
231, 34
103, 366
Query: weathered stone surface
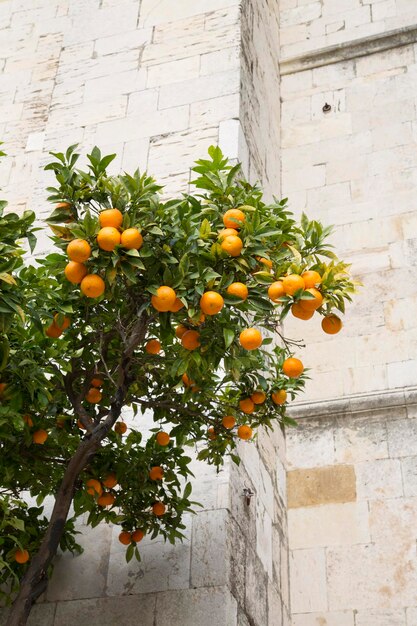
339, 618
379, 479
41, 615
377, 617
196, 606
308, 566
209, 554
323, 485
107, 611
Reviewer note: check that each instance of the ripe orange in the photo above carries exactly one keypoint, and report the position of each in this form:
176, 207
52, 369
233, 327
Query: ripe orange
53, 331
163, 438
156, 473
138, 535
292, 367
97, 382
276, 291
79, 250
250, 339
153, 346
93, 395
298, 311
232, 245
81, 425
292, 283
3, 387
92, 286
331, 324
158, 509
311, 278
120, 428
94, 487
312, 305
234, 218
180, 331
228, 232
211, 302
191, 340
228, 421
131, 239
21, 556
110, 481
75, 272
211, 433
164, 298
187, 380
40, 436
244, 432
28, 420
125, 537
63, 205
258, 397
279, 397
65, 323
266, 262
238, 289
177, 306
110, 217
108, 238
247, 405
106, 499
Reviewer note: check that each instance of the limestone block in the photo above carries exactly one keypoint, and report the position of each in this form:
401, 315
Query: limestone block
190, 607
136, 38
327, 525
411, 614
211, 112
165, 11
320, 447
296, 83
409, 472
135, 155
402, 373
102, 23
98, 89
209, 555
197, 89
308, 580
360, 439
339, 618
173, 72
306, 178
41, 615
299, 15
379, 479
240, 479
236, 565
256, 589
402, 437
264, 538
391, 59
107, 611
274, 606
375, 617
324, 485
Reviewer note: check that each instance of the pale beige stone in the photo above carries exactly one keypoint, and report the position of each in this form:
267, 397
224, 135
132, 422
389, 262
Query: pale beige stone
107, 611
379, 479
339, 618
309, 487
308, 565
375, 617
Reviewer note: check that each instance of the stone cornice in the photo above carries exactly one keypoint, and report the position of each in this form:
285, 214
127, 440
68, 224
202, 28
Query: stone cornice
373, 402
350, 50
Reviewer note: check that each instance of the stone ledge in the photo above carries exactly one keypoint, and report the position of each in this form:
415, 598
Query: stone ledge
349, 50
369, 403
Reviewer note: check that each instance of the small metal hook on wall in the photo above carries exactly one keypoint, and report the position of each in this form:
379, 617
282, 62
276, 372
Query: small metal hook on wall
326, 108
248, 494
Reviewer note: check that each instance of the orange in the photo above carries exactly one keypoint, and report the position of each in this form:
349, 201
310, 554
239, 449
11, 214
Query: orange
65, 323
110, 217
292, 367
298, 311
92, 286
108, 238
3, 387
250, 339
63, 205
21, 556
266, 262
120, 428
201, 319
228, 421
211, 433
232, 245
180, 331
247, 405
53, 331
28, 420
81, 425
131, 239
191, 340
187, 380
276, 291
125, 537
244, 432
138, 535
238, 289
331, 324
279, 397
75, 272
159, 509
97, 382
234, 218
211, 302
258, 397
292, 283
110, 481
94, 487
40, 436
153, 346
79, 250
164, 298
156, 473
228, 232
312, 305
311, 278
106, 499
93, 395
177, 306
162, 438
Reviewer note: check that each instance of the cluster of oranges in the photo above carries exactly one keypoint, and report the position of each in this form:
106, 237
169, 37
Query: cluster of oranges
108, 237
40, 435
55, 329
98, 489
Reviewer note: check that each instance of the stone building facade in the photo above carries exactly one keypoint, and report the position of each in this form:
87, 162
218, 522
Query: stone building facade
329, 537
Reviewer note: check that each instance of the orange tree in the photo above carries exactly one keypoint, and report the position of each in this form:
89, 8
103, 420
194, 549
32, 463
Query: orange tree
173, 308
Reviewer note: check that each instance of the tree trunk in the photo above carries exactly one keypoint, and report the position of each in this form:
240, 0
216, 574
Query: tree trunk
35, 581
